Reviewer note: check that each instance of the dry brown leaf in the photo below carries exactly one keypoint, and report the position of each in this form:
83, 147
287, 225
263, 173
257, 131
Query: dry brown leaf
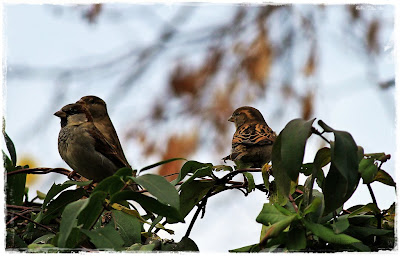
309, 67
178, 146
308, 105
372, 36
258, 59
185, 81
93, 13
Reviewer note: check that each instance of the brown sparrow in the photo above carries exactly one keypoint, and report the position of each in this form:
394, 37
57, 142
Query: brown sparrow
83, 147
252, 142
98, 109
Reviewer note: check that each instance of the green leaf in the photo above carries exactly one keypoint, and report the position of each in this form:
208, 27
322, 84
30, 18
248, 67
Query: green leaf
189, 167
15, 188
384, 178
277, 228
282, 179
270, 215
94, 209
192, 194
186, 244
314, 206
129, 227
202, 172
56, 206
161, 163
328, 235
10, 146
42, 248
69, 220
343, 177
371, 207
123, 172
105, 238
149, 203
250, 180
40, 195
340, 225
57, 188
111, 185
368, 170
13, 240
363, 232
293, 141
159, 187
296, 239
44, 239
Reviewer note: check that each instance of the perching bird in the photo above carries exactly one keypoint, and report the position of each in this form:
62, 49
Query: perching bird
98, 109
252, 142
83, 147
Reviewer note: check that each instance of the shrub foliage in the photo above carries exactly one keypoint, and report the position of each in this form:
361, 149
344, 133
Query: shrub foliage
76, 215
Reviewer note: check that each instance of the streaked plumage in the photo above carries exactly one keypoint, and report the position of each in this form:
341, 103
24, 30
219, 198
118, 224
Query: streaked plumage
252, 142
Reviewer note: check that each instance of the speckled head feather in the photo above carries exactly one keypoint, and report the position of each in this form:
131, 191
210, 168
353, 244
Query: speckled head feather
246, 114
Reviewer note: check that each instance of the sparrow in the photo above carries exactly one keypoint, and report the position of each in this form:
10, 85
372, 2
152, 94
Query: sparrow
253, 139
98, 110
83, 147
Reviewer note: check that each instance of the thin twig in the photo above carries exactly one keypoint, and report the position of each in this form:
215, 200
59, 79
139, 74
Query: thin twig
293, 203
34, 222
315, 131
43, 170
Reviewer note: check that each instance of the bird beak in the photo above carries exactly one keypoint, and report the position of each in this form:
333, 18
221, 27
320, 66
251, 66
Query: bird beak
60, 114
231, 119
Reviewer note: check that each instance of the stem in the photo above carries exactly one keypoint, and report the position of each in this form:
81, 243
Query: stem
199, 207
43, 171
315, 131
293, 203
34, 222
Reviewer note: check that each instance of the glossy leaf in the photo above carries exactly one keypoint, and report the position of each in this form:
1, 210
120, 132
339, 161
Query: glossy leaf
69, 220
371, 207
57, 206
250, 180
187, 244
385, 178
293, 141
10, 147
282, 179
296, 239
192, 194
149, 203
15, 188
128, 226
277, 228
111, 185
201, 172
368, 170
270, 215
343, 177
340, 225
105, 238
94, 209
328, 235
57, 188
159, 187
190, 167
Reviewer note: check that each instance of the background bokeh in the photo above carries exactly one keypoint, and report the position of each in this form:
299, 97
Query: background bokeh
173, 74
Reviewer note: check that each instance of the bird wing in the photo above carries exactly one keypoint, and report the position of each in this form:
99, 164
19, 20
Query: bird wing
253, 134
105, 148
